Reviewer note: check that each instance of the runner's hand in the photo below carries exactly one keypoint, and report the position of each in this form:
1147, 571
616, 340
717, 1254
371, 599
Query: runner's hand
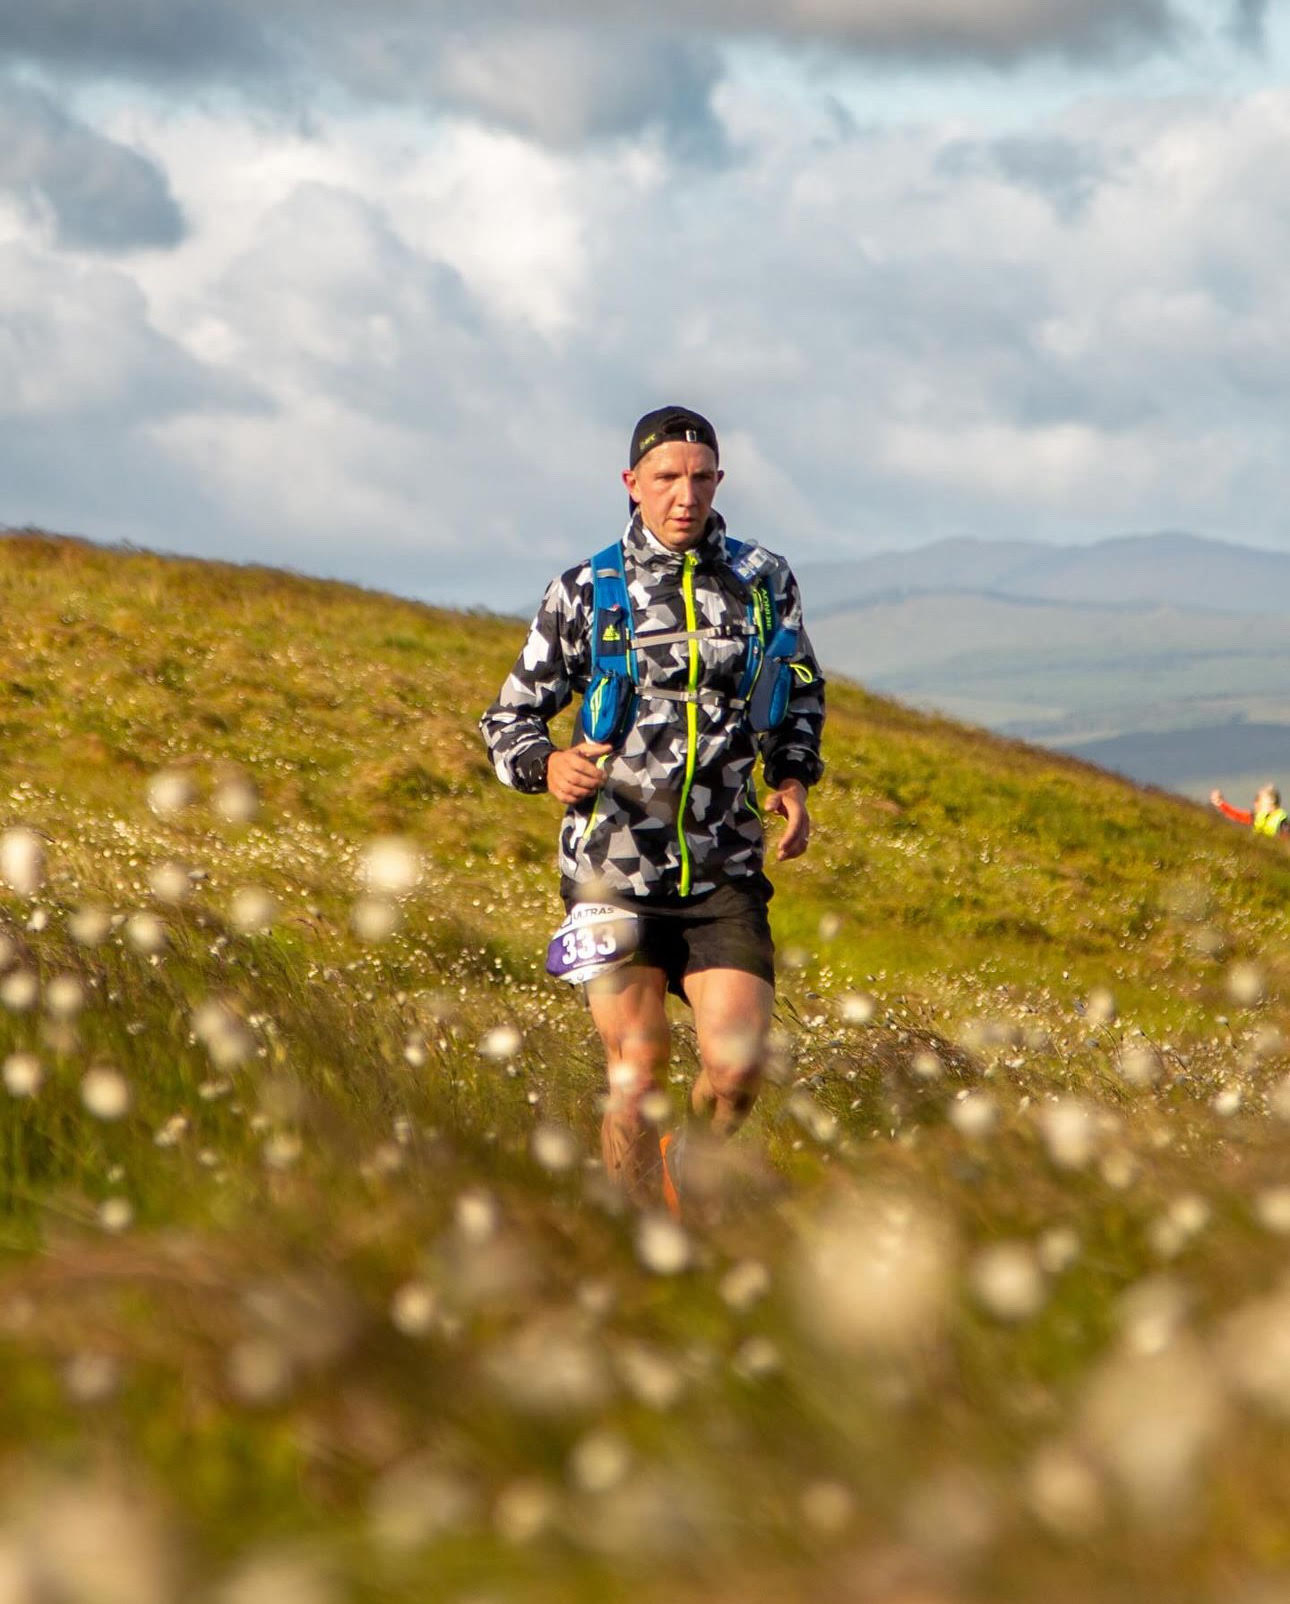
790, 802
573, 775
1216, 797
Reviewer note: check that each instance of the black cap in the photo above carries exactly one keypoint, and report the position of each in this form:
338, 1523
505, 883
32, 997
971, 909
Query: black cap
671, 423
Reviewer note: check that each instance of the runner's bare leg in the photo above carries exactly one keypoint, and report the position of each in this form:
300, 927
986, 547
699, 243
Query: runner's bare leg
732, 1014
629, 1009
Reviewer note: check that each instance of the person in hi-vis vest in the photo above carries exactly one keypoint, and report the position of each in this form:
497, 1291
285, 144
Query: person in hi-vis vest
1266, 817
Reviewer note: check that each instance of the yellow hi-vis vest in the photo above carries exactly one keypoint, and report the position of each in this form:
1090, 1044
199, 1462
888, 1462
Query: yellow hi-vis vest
1270, 821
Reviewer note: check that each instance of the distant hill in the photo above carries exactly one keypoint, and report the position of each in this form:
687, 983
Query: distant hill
1147, 642
1178, 570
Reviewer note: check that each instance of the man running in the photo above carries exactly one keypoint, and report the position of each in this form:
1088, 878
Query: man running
662, 817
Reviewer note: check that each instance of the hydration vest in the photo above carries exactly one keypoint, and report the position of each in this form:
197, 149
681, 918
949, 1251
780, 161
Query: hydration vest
614, 689
1270, 821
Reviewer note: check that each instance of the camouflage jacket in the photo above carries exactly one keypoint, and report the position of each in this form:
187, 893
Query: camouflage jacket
678, 814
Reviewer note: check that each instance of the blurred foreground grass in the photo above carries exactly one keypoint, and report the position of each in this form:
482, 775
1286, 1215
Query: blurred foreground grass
311, 1288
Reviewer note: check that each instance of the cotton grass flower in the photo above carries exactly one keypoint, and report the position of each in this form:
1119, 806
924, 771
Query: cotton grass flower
146, 933
90, 925
64, 997
19, 990
23, 1074
390, 866
857, 1007
22, 860
236, 799
223, 1033
1148, 1422
253, 910
1069, 1131
105, 1092
375, 919
1138, 1064
599, 1461
115, 1214
554, 1147
1246, 984
169, 792
502, 1042
170, 882
414, 1309
974, 1115
1007, 1282
744, 1285
872, 1273
662, 1246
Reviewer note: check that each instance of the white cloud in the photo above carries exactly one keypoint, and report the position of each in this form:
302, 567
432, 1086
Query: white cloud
901, 332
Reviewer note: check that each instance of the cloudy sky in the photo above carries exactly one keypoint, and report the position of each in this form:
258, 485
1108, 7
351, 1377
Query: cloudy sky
377, 291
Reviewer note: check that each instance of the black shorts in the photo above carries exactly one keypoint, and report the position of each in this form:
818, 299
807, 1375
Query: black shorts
728, 928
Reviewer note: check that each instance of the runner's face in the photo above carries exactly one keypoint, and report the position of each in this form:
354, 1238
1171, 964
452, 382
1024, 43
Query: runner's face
675, 484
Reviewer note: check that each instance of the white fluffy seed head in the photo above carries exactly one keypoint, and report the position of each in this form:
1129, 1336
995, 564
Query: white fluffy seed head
662, 1245
236, 799
1254, 1351
857, 1007
1246, 985
476, 1216
1100, 1009
146, 933
744, 1284
501, 1043
414, 1308
1147, 1423
23, 1074
22, 860
1138, 1064
19, 990
873, 1273
1057, 1249
64, 997
1272, 1210
1069, 1131
223, 1033
90, 925
170, 791
554, 1147
974, 1115
115, 1214
1007, 1282
375, 919
390, 866
91, 1378
926, 1065
1228, 1099
170, 882
599, 1461
253, 910
105, 1092
1064, 1492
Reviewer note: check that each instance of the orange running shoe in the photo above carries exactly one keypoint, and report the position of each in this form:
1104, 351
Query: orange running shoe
671, 1195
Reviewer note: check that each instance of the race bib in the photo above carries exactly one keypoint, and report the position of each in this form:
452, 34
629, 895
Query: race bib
595, 938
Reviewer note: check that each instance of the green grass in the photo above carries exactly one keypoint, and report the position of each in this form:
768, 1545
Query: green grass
563, 1423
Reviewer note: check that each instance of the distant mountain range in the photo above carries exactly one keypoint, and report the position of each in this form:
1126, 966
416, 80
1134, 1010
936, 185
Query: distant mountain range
1166, 657
1131, 570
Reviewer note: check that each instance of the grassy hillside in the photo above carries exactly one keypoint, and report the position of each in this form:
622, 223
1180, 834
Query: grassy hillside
312, 1289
